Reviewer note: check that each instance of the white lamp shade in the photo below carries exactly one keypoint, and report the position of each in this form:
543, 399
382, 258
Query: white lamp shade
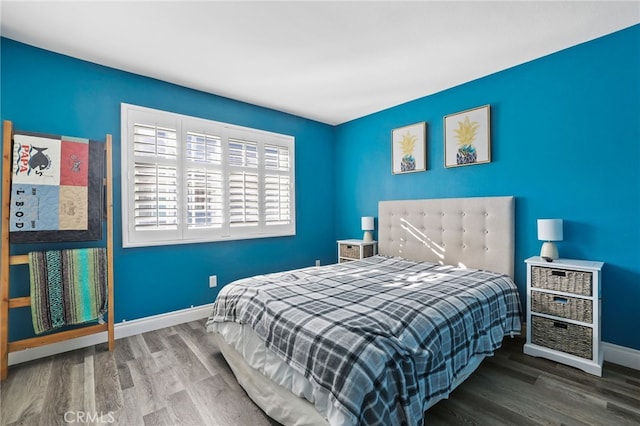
550, 229
367, 223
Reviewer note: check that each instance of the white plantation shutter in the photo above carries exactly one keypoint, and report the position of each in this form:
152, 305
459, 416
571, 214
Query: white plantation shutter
154, 141
155, 178
243, 199
277, 200
193, 180
156, 198
204, 178
244, 191
204, 148
243, 153
277, 188
205, 205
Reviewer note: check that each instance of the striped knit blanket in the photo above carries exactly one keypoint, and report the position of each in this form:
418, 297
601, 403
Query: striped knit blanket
67, 287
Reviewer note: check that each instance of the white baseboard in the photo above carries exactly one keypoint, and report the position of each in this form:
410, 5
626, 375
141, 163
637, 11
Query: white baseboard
121, 330
621, 355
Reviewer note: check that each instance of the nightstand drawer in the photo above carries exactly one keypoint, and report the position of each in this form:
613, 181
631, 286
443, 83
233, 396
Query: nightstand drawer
563, 306
562, 336
576, 282
353, 251
348, 250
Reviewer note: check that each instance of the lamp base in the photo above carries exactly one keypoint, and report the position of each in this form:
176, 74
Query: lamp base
549, 250
368, 236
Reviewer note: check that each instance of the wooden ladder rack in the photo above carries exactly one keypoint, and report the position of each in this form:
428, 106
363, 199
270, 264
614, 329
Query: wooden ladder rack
7, 260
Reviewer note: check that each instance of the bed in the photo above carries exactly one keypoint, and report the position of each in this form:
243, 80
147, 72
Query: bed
382, 339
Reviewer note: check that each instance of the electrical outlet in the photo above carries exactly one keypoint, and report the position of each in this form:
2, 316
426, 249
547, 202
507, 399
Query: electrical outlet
317, 262
213, 281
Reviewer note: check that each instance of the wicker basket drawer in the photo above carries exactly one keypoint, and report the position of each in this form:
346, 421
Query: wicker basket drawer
353, 251
350, 250
576, 282
562, 306
561, 336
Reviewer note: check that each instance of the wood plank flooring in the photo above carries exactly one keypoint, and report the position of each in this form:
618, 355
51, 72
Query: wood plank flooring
177, 376
512, 388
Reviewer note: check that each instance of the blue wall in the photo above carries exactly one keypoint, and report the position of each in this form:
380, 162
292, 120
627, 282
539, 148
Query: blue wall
565, 142
55, 94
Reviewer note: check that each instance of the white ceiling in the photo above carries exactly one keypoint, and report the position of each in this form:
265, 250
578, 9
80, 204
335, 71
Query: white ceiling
329, 61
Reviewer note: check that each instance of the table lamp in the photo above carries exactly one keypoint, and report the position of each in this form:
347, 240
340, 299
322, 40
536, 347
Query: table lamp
367, 227
549, 230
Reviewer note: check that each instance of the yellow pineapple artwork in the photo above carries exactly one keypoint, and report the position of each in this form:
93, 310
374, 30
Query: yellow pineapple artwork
408, 145
466, 134
467, 137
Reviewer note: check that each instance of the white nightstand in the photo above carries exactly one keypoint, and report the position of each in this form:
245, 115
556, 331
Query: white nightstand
356, 249
563, 312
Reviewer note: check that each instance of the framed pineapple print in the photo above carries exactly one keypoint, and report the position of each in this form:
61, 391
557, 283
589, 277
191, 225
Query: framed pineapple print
467, 137
408, 149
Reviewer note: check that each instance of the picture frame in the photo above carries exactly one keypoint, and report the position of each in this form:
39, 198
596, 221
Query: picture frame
467, 137
408, 149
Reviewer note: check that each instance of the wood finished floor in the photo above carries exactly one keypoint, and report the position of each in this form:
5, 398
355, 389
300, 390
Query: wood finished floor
177, 376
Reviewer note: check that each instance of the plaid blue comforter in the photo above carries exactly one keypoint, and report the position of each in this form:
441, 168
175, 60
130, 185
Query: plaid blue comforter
382, 335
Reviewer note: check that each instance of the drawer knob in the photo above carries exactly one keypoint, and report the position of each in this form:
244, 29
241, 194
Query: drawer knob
560, 325
558, 299
559, 273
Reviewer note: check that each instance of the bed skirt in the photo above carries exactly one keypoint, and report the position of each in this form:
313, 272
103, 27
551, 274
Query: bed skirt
278, 402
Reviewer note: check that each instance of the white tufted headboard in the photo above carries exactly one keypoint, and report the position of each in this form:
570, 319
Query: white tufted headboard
473, 232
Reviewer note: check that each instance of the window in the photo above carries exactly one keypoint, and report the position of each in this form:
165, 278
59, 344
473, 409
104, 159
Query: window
187, 180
